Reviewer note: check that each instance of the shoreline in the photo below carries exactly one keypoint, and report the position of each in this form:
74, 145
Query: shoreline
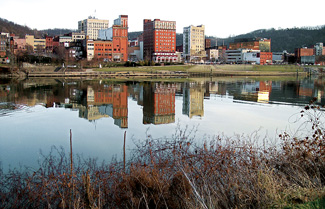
177, 71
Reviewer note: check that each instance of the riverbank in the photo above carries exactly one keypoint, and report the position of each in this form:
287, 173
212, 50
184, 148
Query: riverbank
165, 72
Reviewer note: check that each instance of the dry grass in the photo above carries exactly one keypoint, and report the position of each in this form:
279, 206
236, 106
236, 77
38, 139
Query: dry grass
223, 172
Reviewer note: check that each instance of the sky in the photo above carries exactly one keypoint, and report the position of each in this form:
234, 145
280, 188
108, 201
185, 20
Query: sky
220, 18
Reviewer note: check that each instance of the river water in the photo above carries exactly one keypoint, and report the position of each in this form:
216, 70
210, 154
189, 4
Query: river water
36, 114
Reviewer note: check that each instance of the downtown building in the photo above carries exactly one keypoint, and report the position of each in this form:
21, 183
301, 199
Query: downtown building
194, 43
91, 26
112, 43
4, 43
251, 45
159, 40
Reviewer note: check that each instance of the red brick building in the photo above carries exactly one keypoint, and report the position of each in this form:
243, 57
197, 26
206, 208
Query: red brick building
114, 42
120, 39
49, 44
103, 50
3, 45
159, 40
265, 58
207, 43
305, 55
301, 52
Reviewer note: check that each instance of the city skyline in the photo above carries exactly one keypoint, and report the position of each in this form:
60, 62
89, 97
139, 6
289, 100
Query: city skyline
221, 19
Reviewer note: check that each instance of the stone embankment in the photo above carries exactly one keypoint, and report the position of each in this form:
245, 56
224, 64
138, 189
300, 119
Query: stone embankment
90, 73
33, 71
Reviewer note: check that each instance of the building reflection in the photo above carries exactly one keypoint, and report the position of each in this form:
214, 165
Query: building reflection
95, 100
159, 103
265, 88
107, 101
193, 100
90, 113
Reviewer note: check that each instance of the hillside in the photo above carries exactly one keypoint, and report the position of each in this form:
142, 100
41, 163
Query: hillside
134, 35
19, 30
57, 31
285, 39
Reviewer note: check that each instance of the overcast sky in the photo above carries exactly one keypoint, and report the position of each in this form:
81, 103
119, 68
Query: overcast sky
221, 18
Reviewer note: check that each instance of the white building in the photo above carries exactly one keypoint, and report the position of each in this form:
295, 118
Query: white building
251, 56
277, 57
234, 56
90, 49
78, 36
65, 39
91, 26
240, 56
318, 49
212, 54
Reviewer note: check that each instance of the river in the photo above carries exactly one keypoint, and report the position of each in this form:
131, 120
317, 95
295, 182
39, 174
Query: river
37, 114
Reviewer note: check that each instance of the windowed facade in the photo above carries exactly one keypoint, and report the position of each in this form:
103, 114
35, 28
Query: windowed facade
194, 43
159, 40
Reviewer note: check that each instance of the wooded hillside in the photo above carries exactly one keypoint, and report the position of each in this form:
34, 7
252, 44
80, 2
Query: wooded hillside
284, 39
19, 30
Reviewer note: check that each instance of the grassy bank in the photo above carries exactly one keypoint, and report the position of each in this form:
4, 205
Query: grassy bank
278, 68
221, 172
209, 68
191, 70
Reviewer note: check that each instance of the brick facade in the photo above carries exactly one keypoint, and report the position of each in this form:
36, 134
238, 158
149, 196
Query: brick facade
265, 58
115, 49
159, 40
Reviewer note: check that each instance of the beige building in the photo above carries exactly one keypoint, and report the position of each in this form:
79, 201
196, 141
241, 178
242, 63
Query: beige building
65, 39
36, 43
91, 26
194, 43
78, 36
90, 49
212, 54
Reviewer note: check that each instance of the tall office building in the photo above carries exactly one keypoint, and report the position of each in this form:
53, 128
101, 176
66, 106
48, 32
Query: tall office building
159, 40
91, 26
194, 43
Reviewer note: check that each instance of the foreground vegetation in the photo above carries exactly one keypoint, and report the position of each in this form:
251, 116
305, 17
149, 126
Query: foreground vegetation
221, 172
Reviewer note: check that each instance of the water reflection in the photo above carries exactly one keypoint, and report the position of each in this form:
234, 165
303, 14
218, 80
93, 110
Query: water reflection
100, 99
193, 97
159, 103
36, 114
